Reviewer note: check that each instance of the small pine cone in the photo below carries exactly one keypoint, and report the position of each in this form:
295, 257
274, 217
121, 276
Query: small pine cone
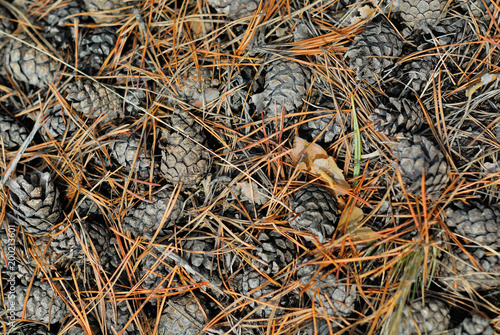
477, 223
328, 293
317, 212
128, 152
477, 325
58, 125
418, 72
253, 284
94, 100
459, 273
117, 316
197, 87
95, 7
38, 301
56, 30
11, 133
197, 252
95, 48
335, 124
431, 318
103, 242
398, 116
276, 251
29, 65
30, 329
285, 88
418, 156
35, 201
145, 218
184, 315
235, 9
65, 245
184, 160
373, 51
155, 270
418, 14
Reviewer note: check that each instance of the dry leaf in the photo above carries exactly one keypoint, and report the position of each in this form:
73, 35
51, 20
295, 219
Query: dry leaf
352, 224
485, 79
313, 158
251, 193
365, 12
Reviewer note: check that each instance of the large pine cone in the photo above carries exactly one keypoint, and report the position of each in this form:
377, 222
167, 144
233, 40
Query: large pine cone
418, 14
476, 223
93, 100
39, 302
145, 218
184, 160
418, 156
58, 125
11, 133
285, 88
328, 293
29, 65
184, 315
35, 201
431, 318
235, 9
459, 273
477, 325
398, 116
373, 51
128, 151
95, 48
56, 31
317, 210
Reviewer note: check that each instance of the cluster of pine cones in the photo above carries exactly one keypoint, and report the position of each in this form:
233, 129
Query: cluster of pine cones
148, 185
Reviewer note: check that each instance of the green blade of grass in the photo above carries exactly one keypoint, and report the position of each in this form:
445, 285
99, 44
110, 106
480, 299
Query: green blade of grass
357, 141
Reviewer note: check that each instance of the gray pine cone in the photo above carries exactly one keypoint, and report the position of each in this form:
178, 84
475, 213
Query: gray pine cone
145, 218
39, 302
95, 48
235, 9
196, 86
330, 295
127, 151
94, 100
418, 72
182, 315
476, 325
184, 160
317, 212
431, 318
477, 7
417, 156
28, 65
422, 14
95, 7
56, 31
58, 125
117, 316
398, 116
104, 244
30, 329
335, 123
275, 250
154, 269
197, 250
373, 51
35, 200
12, 134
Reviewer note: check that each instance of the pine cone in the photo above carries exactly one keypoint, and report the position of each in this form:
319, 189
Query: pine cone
28, 65
285, 88
418, 14
56, 31
335, 124
235, 9
477, 7
103, 242
30, 329
317, 210
43, 304
418, 156
94, 100
476, 223
196, 87
35, 201
328, 293
95, 48
197, 251
65, 246
418, 72
276, 251
7, 23
431, 318
373, 51
117, 316
58, 125
477, 325
184, 160
155, 270
11, 133
128, 152
184, 315
459, 273
398, 116
95, 7
145, 218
